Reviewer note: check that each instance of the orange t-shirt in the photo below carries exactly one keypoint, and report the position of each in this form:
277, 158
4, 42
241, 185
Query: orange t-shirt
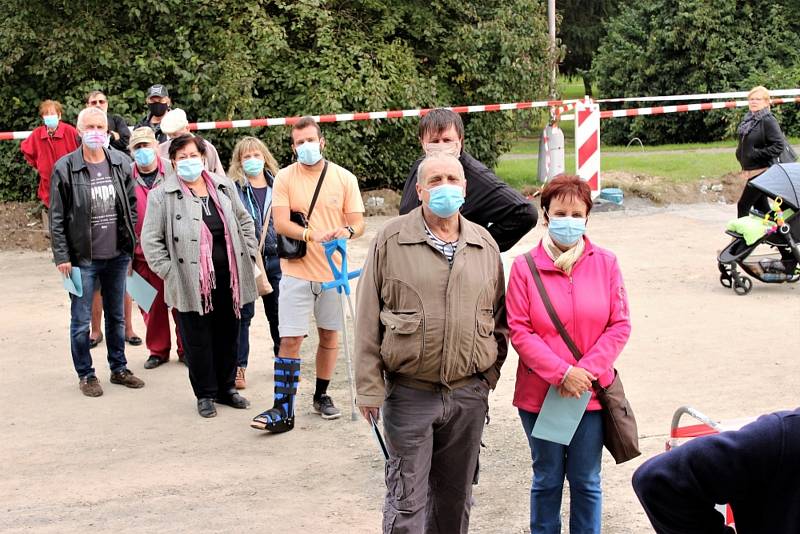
339, 194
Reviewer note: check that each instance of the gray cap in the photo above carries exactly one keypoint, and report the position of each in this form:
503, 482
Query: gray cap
157, 90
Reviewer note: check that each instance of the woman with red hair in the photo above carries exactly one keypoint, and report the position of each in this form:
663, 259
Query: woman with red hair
584, 285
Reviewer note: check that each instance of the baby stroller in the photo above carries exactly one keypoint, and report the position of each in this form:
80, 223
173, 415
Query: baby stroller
780, 183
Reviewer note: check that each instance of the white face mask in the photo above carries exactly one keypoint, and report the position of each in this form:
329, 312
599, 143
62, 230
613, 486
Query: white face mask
453, 148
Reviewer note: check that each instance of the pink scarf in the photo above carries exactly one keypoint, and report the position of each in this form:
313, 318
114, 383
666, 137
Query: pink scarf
207, 276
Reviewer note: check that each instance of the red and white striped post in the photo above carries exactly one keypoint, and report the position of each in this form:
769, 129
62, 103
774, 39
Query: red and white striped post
587, 143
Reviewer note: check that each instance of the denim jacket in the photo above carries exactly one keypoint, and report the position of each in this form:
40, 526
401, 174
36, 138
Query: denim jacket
248, 198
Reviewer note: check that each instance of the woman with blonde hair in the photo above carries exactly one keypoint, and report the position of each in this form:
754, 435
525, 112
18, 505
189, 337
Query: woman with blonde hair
760, 145
253, 169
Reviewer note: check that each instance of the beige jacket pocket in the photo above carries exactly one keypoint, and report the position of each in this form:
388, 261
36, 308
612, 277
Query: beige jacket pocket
401, 346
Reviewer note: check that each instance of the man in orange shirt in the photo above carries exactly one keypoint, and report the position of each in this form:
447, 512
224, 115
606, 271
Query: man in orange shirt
337, 213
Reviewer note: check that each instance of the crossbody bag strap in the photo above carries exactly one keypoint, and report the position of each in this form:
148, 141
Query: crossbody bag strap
316, 191
264, 230
550, 310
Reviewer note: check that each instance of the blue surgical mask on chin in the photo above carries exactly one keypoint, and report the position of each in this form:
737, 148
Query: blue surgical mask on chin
445, 200
190, 169
309, 153
566, 230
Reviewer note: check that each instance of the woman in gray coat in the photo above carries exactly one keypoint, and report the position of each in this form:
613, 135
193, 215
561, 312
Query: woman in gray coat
200, 240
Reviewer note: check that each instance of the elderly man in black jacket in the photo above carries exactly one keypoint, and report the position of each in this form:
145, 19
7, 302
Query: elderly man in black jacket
92, 218
490, 202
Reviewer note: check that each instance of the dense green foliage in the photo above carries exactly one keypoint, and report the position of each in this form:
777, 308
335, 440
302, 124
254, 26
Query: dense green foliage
224, 59
693, 46
581, 30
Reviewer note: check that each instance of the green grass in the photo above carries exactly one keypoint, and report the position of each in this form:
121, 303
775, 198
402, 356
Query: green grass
686, 168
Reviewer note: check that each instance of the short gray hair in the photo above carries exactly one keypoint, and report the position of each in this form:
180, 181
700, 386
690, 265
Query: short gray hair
86, 112
438, 156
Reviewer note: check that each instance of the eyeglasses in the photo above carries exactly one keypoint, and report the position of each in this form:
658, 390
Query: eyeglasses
96, 102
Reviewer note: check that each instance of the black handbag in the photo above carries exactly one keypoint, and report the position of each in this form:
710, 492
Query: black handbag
294, 249
620, 433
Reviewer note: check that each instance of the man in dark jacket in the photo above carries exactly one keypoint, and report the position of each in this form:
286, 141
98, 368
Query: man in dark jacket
118, 131
490, 202
158, 103
92, 218
755, 469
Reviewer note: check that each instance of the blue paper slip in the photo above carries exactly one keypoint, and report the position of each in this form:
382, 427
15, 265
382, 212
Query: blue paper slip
559, 418
73, 283
140, 291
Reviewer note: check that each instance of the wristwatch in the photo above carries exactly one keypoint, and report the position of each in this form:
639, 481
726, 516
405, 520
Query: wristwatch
351, 230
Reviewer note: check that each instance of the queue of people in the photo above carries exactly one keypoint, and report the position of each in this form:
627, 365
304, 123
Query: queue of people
434, 316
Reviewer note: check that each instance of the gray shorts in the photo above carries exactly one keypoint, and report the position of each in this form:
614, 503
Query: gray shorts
298, 298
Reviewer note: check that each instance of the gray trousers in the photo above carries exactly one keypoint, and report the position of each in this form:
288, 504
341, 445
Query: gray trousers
433, 439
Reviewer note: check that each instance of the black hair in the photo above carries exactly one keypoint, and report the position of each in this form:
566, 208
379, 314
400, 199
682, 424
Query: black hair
183, 140
438, 120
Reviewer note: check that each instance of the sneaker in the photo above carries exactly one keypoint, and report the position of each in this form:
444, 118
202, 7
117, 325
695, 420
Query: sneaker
90, 386
240, 383
127, 379
324, 407
153, 362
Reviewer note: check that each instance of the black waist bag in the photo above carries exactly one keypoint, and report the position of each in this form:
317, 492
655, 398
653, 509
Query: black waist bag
294, 249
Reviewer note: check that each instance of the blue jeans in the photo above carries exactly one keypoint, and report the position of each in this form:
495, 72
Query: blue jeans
111, 275
273, 266
580, 462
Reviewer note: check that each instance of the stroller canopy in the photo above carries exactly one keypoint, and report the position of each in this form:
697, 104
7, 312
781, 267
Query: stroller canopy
781, 180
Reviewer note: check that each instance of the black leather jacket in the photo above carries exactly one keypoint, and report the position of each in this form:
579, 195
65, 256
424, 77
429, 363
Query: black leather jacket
761, 146
71, 207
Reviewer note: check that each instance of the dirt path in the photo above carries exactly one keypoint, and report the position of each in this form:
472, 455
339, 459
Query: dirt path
143, 461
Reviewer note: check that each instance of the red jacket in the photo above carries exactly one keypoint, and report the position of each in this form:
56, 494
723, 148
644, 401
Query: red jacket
42, 151
591, 303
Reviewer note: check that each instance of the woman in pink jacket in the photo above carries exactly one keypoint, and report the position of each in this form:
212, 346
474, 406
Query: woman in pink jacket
585, 286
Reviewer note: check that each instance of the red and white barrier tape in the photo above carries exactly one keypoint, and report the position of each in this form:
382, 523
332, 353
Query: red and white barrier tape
680, 108
699, 96
561, 105
343, 117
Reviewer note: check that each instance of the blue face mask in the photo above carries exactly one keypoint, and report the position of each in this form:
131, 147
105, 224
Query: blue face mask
253, 166
144, 156
308, 153
566, 230
190, 169
51, 121
445, 200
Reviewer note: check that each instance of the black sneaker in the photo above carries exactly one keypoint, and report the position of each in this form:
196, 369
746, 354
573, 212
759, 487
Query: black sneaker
325, 408
153, 362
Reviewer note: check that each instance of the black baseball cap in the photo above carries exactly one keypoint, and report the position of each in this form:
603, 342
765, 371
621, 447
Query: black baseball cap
157, 90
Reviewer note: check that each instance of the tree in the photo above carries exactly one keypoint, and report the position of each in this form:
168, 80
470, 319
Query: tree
581, 31
224, 59
691, 46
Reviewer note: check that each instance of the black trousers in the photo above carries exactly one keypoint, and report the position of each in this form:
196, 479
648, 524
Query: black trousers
211, 344
751, 197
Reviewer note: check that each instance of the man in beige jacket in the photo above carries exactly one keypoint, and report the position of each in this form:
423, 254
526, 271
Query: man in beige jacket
430, 341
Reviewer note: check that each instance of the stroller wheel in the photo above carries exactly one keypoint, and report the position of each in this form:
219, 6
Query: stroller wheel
725, 280
743, 286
